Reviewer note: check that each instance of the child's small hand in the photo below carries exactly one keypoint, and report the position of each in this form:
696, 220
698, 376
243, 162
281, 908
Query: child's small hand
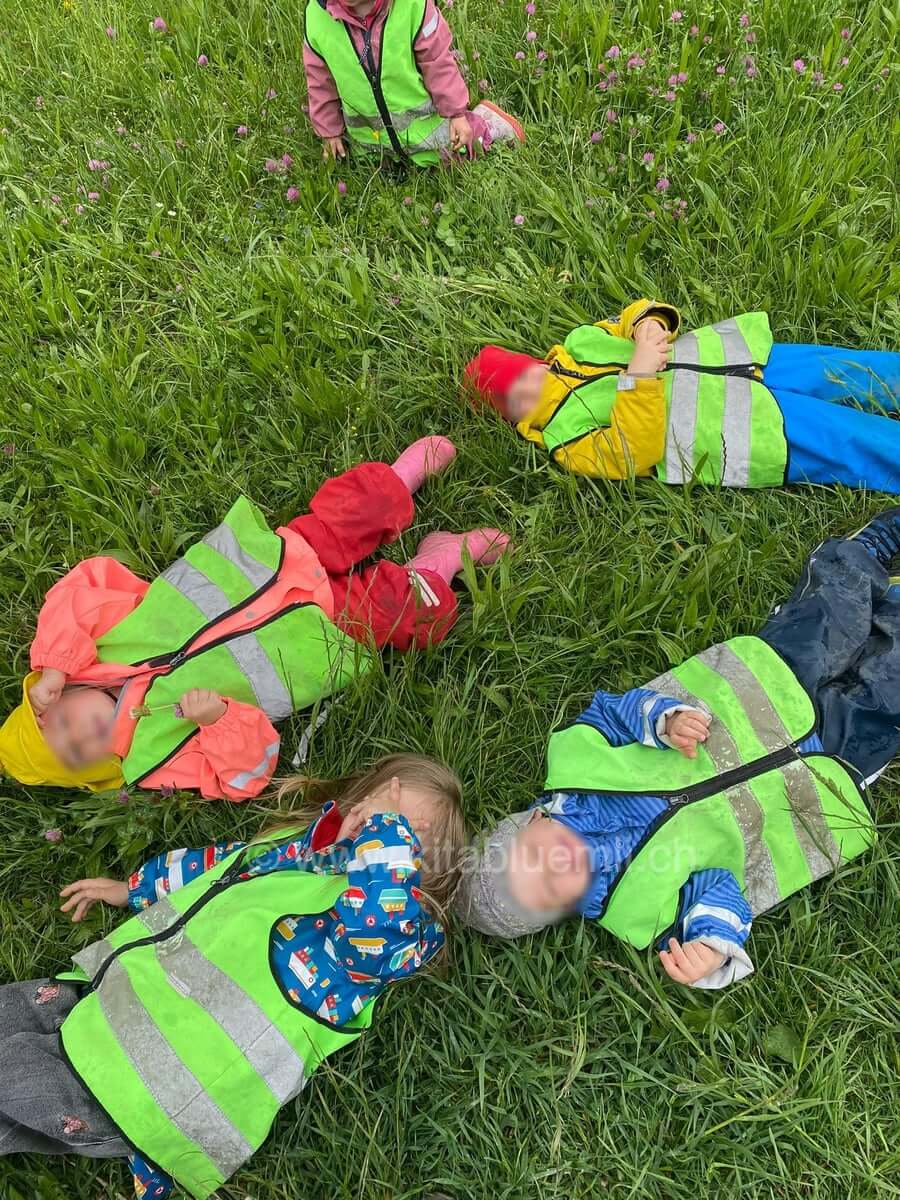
685, 729
202, 707
461, 135
333, 148
46, 690
83, 894
690, 962
651, 353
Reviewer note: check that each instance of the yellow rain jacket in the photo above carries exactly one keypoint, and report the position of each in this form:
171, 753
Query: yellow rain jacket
630, 435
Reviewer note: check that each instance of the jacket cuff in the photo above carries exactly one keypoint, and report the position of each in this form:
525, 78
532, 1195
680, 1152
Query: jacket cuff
664, 716
737, 964
69, 664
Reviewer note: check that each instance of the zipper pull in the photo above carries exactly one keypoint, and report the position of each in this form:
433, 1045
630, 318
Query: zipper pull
677, 801
178, 659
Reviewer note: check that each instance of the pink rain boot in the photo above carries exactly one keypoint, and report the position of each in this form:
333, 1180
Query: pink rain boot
442, 552
424, 458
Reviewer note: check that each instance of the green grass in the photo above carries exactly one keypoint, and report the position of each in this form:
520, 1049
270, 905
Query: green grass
191, 335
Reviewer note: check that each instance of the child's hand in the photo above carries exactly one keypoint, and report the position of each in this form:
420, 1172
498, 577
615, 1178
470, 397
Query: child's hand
388, 799
690, 962
461, 135
685, 729
651, 353
202, 707
333, 148
46, 690
83, 894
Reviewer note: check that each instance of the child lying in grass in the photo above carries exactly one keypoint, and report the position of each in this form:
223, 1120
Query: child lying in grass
381, 75
723, 404
272, 621
179, 1036
677, 813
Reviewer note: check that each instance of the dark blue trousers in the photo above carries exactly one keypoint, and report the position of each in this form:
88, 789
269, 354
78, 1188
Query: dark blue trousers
840, 634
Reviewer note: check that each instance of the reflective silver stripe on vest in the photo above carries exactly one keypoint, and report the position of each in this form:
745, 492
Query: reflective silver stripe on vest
737, 432
175, 1089
737, 352
752, 696
224, 541
683, 399
720, 745
400, 121
271, 694
241, 782
760, 882
194, 586
92, 957
238, 1015
810, 826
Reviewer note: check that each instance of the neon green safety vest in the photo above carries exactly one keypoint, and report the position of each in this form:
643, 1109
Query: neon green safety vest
386, 104
185, 1037
288, 661
748, 802
723, 425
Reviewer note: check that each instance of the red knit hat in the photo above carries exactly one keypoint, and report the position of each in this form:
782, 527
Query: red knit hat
493, 371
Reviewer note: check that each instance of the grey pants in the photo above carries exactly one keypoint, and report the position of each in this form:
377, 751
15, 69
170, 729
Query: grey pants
43, 1107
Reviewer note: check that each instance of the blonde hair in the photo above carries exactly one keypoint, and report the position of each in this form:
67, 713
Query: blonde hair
448, 836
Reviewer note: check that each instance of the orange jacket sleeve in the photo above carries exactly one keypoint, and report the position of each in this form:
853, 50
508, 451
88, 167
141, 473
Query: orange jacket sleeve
634, 442
232, 759
80, 608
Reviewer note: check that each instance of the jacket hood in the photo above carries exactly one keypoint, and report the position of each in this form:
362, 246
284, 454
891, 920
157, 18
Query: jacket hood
26, 757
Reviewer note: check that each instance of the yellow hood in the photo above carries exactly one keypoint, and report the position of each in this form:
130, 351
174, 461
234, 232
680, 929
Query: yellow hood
26, 757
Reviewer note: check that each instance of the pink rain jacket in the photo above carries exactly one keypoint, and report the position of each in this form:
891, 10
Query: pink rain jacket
100, 592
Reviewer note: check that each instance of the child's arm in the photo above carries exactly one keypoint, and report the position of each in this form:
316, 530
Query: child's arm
382, 904
326, 114
714, 922
167, 872
439, 69
80, 608
233, 755
635, 440
645, 716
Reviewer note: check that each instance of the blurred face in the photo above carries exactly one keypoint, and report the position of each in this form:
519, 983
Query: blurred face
78, 726
420, 806
549, 866
524, 394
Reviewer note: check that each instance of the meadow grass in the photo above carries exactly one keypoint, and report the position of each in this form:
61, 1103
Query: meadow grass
191, 334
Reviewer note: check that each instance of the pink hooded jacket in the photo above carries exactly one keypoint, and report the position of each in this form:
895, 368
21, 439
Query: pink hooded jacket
243, 744
440, 72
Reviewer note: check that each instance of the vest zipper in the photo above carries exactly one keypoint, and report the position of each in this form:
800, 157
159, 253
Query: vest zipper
226, 880
675, 801
556, 369
372, 72
176, 657
745, 370
184, 656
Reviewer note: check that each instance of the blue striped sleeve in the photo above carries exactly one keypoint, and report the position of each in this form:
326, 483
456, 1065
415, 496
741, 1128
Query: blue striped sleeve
714, 910
636, 716
170, 871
